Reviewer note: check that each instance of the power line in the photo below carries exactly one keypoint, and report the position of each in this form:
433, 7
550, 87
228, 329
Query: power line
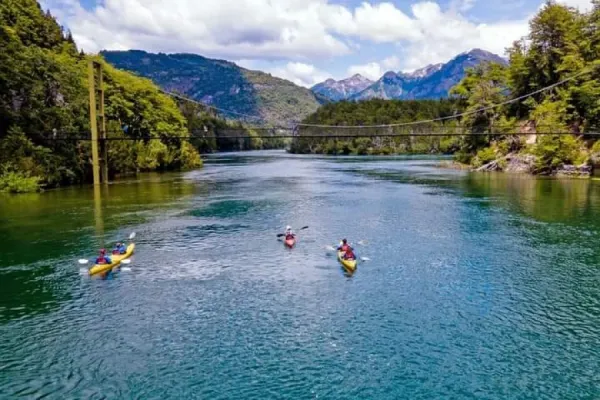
583, 71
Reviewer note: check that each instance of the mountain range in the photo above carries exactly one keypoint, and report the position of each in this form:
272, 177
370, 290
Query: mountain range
259, 97
431, 82
251, 96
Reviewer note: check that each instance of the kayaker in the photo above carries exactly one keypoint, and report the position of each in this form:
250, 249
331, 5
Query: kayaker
116, 248
348, 251
349, 254
103, 258
120, 249
289, 234
344, 245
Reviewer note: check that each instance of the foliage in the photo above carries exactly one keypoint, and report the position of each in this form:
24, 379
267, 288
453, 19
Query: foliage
377, 112
17, 182
553, 151
561, 44
44, 96
483, 157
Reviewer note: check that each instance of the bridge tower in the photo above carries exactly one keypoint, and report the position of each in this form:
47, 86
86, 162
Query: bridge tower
97, 123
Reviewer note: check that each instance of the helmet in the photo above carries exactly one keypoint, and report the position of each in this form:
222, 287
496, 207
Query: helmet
288, 228
102, 251
344, 241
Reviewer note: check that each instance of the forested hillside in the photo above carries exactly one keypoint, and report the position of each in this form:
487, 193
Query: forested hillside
562, 44
44, 105
561, 52
254, 97
378, 112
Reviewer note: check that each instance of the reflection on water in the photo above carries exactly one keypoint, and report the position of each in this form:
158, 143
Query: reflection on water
479, 285
544, 199
43, 233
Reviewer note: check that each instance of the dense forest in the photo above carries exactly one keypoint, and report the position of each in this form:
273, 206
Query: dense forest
563, 44
370, 113
44, 109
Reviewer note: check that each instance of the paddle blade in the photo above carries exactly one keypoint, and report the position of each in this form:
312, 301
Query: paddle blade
127, 261
363, 242
304, 227
330, 248
365, 259
126, 269
132, 236
280, 234
82, 261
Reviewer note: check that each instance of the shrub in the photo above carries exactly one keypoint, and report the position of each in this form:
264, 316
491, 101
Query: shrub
18, 182
483, 157
554, 151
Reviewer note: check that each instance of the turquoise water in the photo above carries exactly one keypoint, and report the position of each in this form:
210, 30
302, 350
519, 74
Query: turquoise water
479, 286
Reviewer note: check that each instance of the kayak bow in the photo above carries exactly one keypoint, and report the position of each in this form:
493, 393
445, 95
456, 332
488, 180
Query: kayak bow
290, 242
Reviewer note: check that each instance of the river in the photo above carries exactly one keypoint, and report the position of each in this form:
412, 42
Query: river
478, 285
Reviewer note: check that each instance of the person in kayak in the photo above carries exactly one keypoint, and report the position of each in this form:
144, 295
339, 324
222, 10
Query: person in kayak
120, 248
289, 234
103, 258
348, 251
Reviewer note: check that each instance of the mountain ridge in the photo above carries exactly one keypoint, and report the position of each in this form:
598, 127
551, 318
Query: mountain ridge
433, 81
222, 84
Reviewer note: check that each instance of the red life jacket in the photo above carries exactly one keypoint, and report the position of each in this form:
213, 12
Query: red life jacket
349, 253
101, 260
345, 248
289, 236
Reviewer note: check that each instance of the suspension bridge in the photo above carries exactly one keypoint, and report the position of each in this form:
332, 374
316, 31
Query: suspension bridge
436, 127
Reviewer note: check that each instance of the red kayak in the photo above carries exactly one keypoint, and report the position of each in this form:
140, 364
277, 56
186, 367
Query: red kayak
290, 242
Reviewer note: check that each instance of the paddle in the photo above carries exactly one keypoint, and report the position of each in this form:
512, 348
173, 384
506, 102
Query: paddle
84, 261
283, 234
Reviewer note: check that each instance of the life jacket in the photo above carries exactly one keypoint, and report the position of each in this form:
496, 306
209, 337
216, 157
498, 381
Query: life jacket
349, 253
345, 248
289, 236
122, 250
116, 251
101, 260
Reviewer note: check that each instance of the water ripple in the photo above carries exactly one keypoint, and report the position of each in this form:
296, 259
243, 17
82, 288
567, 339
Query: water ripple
465, 296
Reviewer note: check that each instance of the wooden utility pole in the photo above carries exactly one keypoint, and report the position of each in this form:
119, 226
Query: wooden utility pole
97, 123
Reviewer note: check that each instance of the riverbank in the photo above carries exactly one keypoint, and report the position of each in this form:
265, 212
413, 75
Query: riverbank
523, 164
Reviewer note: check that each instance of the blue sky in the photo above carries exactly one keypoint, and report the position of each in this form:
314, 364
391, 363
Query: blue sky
305, 41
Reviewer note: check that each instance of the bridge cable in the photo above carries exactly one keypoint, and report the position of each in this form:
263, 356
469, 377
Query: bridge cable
181, 97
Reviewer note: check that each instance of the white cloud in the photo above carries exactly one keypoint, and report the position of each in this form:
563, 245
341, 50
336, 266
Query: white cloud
375, 70
279, 29
303, 31
444, 34
371, 70
301, 74
582, 5
391, 63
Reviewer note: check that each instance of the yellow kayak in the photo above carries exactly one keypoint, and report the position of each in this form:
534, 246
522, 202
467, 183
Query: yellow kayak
349, 265
116, 260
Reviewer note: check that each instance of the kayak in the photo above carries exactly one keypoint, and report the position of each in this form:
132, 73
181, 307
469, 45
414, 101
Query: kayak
116, 260
349, 265
290, 242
